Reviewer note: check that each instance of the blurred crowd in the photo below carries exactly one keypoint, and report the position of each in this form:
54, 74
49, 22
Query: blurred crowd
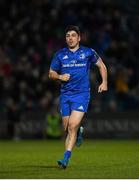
32, 31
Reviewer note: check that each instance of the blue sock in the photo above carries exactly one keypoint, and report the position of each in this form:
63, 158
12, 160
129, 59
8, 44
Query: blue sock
67, 154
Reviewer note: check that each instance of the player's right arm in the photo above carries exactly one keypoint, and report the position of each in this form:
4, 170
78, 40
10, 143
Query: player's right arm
55, 69
55, 76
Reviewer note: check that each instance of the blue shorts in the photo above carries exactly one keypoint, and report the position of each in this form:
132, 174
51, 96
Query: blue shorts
78, 102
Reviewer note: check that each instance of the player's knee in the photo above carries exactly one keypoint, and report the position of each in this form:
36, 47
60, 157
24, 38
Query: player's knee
72, 127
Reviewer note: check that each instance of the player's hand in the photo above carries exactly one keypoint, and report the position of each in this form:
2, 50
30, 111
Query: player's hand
103, 87
64, 77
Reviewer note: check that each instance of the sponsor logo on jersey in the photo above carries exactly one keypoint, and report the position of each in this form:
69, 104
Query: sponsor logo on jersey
74, 65
80, 108
65, 57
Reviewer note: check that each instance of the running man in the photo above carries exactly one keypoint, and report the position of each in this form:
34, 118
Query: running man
71, 66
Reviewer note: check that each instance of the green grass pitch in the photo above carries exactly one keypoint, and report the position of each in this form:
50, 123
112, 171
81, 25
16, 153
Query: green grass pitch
94, 159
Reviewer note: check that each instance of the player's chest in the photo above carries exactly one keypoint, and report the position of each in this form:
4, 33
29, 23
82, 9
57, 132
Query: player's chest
74, 60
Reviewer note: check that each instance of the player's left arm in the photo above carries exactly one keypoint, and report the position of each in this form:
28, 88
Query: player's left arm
104, 75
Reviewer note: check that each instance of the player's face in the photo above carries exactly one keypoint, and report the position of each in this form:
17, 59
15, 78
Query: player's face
72, 39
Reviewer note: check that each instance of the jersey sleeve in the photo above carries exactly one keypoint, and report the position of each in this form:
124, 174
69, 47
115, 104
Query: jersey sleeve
94, 56
55, 64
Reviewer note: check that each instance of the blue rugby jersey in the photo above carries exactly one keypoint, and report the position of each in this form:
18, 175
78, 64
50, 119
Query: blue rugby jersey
77, 64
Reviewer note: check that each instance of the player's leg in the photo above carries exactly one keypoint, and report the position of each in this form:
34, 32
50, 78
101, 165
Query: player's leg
75, 109
79, 138
65, 121
80, 103
65, 112
74, 122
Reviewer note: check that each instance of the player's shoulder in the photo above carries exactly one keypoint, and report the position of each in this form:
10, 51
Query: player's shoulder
87, 50
84, 48
61, 51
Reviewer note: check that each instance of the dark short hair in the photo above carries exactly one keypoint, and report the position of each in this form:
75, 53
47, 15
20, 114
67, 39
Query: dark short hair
72, 28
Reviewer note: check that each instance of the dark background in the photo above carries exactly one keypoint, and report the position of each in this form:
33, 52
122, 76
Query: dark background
32, 31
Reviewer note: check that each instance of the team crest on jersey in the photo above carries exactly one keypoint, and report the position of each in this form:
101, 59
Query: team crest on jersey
82, 56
